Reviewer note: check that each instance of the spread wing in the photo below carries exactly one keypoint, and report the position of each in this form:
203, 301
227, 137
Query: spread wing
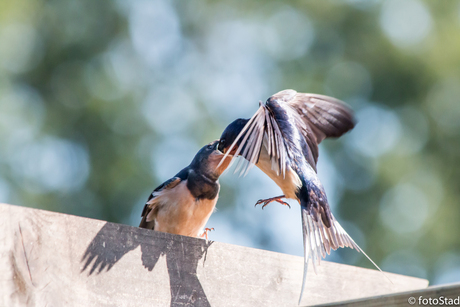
284, 117
150, 209
317, 117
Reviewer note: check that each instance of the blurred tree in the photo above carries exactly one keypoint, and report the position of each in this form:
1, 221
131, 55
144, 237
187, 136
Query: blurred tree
102, 101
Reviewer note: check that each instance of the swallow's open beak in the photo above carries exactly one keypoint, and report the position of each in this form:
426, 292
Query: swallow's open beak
221, 148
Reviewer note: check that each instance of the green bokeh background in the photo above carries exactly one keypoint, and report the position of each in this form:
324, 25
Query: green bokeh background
101, 101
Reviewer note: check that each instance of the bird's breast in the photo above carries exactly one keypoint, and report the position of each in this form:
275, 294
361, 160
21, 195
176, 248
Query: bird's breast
289, 183
181, 213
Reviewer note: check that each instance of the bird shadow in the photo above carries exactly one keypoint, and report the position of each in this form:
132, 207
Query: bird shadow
182, 254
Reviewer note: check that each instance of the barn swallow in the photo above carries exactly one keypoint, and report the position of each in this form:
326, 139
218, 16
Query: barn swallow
282, 139
183, 204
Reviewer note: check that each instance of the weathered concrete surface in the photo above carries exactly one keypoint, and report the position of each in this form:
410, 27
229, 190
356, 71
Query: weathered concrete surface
53, 259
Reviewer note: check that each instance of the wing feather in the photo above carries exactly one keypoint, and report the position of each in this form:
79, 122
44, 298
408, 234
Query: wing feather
242, 132
269, 134
251, 147
150, 208
252, 136
320, 117
281, 148
256, 148
254, 143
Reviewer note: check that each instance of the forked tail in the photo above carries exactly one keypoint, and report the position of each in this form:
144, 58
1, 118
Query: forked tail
319, 240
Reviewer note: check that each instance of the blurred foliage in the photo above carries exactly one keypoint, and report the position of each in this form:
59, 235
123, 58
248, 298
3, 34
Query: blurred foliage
101, 101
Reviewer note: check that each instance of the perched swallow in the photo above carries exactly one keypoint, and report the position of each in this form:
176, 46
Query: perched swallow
183, 204
282, 140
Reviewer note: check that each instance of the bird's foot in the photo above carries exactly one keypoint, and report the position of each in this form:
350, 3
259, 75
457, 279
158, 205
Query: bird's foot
205, 233
265, 202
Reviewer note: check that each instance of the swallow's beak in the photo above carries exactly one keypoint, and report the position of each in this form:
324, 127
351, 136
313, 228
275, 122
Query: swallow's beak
221, 148
215, 146
215, 161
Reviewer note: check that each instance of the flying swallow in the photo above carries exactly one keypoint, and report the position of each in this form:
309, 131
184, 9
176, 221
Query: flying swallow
282, 140
183, 204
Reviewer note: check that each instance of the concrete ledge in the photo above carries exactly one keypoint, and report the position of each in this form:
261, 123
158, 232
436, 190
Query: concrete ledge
53, 259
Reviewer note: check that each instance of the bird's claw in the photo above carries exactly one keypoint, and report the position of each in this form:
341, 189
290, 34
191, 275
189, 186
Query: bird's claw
262, 201
265, 202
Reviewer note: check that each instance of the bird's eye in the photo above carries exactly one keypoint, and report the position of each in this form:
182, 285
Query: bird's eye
221, 141
209, 146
